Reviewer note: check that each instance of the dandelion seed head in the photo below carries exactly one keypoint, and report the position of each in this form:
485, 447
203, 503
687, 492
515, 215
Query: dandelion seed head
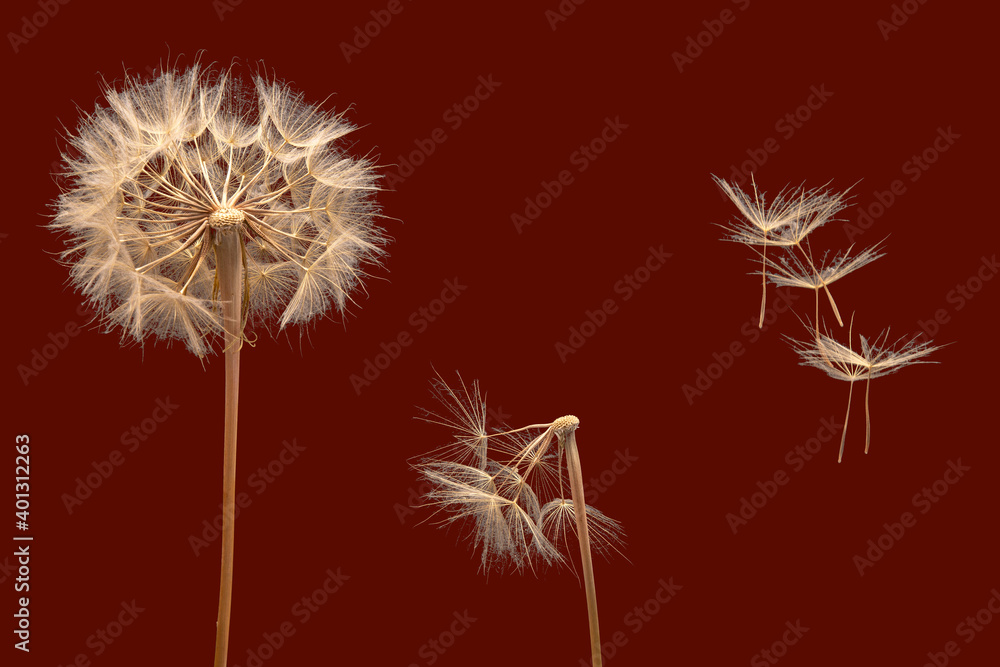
166, 165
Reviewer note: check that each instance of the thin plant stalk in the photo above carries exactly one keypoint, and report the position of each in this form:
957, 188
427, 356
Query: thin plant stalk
228, 252
763, 288
816, 321
819, 276
843, 436
567, 438
868, 420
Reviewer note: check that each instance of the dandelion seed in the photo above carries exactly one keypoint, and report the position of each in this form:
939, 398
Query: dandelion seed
877, 358
200, 205
791, 272
507, 489
465, 413
791, 217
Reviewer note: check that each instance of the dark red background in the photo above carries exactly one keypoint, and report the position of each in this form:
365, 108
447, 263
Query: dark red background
337, 505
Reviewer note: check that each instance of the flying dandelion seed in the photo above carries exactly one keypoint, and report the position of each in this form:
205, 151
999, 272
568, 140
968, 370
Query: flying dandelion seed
791, 272
877, 358
199, 203
791, 217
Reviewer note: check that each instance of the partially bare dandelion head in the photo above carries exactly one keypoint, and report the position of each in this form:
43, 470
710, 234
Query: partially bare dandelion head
508, 488
170, 164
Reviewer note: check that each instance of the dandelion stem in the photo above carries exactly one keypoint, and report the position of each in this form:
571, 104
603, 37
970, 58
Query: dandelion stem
567, 439
819, 278
843, 436
868, 420
833, 304
230, 275
816, 321
763, 284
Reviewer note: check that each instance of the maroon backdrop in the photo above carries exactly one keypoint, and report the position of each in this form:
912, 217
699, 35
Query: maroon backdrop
599, 125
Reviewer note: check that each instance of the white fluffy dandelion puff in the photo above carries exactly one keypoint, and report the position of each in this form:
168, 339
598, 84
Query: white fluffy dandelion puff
168, 166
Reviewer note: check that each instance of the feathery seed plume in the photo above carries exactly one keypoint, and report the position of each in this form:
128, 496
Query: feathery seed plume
877, 358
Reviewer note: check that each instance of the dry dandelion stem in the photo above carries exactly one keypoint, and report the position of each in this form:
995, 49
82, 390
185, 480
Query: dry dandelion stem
200, 205
565, 429
507, 488
229, 274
